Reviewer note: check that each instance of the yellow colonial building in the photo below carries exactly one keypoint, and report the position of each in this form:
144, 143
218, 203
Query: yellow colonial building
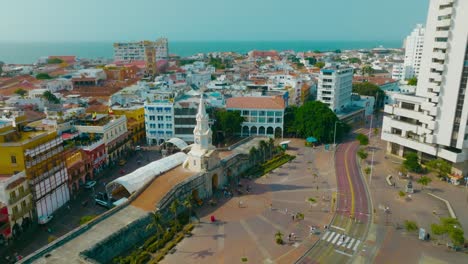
38, 154
135, 121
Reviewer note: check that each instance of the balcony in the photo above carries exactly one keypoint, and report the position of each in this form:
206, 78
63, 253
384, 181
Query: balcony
410, 143
48, 174
24, 211
93, 145
441, 45
452, 156
438, 55
444, 22
43, 157
19, 197
442, 34
437, 66
436, 76
445, 11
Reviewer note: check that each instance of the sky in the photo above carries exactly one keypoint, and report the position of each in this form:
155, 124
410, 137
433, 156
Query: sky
208, 20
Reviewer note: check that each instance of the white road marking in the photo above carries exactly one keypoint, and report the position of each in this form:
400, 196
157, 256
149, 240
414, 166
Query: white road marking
331, 236
337, 227
344, 253
325, 235
350, 243
356, 246
336, 238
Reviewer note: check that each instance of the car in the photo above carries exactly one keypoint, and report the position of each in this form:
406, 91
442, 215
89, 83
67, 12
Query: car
28, 129
44, 219
90, 184
122, 162
137, 148
102, 199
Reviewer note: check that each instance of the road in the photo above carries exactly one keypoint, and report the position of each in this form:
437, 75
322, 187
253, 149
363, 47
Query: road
345, 235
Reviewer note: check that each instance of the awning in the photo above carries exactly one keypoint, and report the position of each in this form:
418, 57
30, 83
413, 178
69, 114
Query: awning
311, 140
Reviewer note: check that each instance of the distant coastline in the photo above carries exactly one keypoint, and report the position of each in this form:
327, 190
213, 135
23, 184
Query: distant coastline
26, 53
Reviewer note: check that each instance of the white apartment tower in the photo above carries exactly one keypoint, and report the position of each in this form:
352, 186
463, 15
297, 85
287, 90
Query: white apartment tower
136, 51
335, 86
434, 122
413, 52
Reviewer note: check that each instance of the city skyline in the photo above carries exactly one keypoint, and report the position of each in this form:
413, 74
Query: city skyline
234, 21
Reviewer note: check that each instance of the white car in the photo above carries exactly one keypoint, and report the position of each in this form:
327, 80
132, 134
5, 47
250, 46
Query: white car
90, 184
44, 219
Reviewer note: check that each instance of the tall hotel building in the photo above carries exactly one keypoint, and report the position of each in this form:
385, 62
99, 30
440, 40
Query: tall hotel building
434, 122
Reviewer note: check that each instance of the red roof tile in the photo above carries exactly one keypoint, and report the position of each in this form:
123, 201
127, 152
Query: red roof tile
264, 102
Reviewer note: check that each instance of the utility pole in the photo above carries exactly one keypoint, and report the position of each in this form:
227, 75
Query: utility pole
334, 136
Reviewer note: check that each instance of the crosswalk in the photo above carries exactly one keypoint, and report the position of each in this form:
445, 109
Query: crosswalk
341, 240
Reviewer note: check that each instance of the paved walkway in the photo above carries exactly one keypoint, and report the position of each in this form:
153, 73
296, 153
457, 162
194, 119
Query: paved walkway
248, 230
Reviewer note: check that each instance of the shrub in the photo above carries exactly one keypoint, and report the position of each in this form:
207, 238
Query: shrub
51, 239
87, 218
154, 247
279, 241
367, 170
244, 259
150, 241
142, 258
410, 226
401, 194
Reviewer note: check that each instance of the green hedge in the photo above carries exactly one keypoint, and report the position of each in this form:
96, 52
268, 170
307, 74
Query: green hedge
270, 165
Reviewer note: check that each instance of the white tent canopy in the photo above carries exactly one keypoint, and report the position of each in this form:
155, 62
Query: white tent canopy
178, 143
138, 178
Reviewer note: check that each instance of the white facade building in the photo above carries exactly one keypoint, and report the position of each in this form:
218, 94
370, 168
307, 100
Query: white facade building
135, 51
159, 121
398, 71
335, 86
413, 52
263, 115
434, 123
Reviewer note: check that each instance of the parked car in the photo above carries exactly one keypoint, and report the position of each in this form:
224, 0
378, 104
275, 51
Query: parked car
122, 162
44, 219
90, 184
137, 148
102, 199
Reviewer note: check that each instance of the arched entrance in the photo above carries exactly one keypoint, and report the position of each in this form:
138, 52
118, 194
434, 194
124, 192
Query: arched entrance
270, 131
261, 130
214, 182
253, 130
245, 131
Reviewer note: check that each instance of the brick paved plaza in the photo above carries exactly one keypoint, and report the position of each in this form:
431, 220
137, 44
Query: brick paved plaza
249, 231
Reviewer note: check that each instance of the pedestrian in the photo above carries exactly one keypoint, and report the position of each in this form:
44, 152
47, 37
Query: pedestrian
289, 237
293, 236
293, 217
271, 206
286, 211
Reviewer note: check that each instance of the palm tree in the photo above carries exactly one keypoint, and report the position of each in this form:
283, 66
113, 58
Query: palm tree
271, 145
263, 146
188, 204
156, 222
253, 154
173, 208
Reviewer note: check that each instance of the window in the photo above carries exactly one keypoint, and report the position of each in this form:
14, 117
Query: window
12, 195
160, 118
261, 113
13, 159
21, 189
270, 113
168, 118
152, 118
254, 113
245, 112
169, 126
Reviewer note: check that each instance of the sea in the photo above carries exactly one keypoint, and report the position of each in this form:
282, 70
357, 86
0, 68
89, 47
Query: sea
29, 52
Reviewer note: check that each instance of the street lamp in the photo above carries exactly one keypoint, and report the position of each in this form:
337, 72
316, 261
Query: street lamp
334, 134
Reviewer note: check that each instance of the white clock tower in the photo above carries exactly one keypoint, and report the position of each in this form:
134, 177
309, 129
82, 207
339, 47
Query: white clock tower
202, 148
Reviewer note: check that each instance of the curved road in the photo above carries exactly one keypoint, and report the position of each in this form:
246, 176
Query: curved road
352, 210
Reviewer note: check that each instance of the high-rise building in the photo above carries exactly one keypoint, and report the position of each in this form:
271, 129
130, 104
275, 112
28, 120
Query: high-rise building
434, 123
137, 51
413, 52
335, 86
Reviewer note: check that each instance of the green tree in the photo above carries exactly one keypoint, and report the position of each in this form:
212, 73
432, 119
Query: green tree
411, 162
401, 194
440, 166
253, 154
318, 120
173, 208
424, 181
413, 81
227, 122
43, 76
50, 97
320, 64
367, 170
271, 146
410, 226
217, 63
363, 139
156, 222
367, 70
354, 60
311, 60
263, 146
362, 154
188, 204
279, 237
311, 201
452, 228
21, 92
289, 118
370, 89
